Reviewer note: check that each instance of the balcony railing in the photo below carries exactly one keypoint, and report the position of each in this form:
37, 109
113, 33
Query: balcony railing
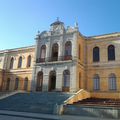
52, 59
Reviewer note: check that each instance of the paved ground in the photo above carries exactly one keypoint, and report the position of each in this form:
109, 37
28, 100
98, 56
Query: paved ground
4, 117
11, 115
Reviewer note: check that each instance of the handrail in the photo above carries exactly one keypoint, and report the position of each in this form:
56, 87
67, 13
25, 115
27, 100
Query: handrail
7, 94
80, 95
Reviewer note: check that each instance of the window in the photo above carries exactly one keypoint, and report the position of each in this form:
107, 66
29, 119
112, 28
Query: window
55, 52
96, 54
112, 82
29, 61
66, 77
68, 48
11, 63
20, 62
96, 82
43, 53
111, 52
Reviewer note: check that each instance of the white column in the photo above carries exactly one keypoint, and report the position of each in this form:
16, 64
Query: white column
73, 86
59, 81
45, 82
34, 80
74, 45
48, 51
60, 55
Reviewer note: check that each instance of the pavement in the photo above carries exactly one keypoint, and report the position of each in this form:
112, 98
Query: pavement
13, 115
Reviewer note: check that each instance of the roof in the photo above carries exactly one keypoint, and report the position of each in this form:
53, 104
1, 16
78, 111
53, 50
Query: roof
57, 22
116, 34
16, 49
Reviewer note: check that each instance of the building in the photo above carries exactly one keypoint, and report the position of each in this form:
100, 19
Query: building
64, 60
16, 68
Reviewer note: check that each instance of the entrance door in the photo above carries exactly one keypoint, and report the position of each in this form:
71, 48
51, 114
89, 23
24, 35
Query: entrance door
26, 83
39, 81
52, 81
8, 84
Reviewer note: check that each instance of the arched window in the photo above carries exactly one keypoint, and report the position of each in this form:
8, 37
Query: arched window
111, 52
79, 50
96, 82
16, 83
11, 63
55, 52
112, 82
66, 80
26, 83
29, 61
43, 53
68, 49
20, 62
8, 84
96, 54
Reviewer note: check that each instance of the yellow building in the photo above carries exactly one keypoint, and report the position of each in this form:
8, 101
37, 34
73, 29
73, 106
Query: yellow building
17, 65
64, 60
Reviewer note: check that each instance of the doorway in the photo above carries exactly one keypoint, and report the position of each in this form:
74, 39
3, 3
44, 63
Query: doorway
52, 81
39, 81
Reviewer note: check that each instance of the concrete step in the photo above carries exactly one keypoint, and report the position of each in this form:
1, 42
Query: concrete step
34, 102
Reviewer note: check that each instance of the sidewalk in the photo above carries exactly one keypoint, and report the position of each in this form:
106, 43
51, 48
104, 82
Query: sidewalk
47, 116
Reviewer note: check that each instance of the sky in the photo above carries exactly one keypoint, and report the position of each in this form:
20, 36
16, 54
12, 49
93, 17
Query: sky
21, 19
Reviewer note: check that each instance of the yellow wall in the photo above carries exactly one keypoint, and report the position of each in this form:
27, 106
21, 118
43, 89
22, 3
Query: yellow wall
80, 63
16, 72
104, 67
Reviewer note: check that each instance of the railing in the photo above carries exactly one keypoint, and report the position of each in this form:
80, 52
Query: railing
7, 94
59, 58
80, 95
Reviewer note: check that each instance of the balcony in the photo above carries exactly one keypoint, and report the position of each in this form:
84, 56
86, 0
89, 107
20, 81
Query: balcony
52, 59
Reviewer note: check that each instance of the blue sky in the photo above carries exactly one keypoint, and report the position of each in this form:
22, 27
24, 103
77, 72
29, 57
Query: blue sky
21, 19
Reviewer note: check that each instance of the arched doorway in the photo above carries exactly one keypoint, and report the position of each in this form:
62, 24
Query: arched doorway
8, 84
52, 81
55, 52
26, 84
39, 81
66, 81
16, 84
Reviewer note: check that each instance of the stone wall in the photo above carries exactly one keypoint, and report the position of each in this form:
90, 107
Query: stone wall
98, 112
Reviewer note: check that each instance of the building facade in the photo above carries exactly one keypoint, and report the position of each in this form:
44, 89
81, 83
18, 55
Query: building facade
16, 68
64, 60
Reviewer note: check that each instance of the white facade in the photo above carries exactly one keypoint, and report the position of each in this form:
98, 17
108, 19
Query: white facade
57, 35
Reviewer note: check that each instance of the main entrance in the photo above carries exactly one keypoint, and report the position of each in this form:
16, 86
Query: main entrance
39, 81
52, 81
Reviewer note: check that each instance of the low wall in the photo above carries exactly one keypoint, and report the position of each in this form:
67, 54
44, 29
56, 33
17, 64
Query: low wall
80, 95
100, 112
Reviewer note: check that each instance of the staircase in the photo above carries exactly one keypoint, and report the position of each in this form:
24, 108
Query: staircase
36, 102
99, 102
95, 107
